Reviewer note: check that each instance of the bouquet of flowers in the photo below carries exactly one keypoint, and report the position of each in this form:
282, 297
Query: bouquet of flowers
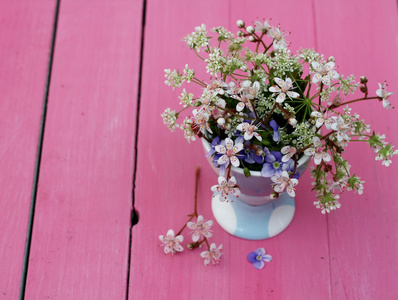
263, 108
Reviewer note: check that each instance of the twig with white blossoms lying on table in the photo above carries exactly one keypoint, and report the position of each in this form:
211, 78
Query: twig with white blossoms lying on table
263, 108
201, 232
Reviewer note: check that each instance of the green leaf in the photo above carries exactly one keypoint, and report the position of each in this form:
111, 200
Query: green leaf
246, 171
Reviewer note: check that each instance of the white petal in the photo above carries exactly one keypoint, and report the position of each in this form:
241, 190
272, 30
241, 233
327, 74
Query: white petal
319, 122
317, 143
235, 192
333, 74
281, 97
216, 189
220, 149
278, 188
232, 181
292, 94
326, 80
229, 143
238, 147
330, 66
290, 191
222, 181
316, 78
326, 157
248, 135
223, 159
258, 136
316, 66
289, 82
240, 106
317, 158
309, 151
243, 126
178, 248
285, 150
279, 81
274, 89
316, 114
234, 161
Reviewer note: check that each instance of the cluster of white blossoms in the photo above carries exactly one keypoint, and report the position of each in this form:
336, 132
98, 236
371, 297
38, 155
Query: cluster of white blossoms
201, 232
264, 107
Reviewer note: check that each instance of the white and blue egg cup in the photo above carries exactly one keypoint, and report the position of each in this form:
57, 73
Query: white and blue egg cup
254, 215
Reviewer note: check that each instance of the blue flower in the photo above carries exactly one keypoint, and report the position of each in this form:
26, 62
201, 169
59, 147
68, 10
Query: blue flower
258, 258
213, 145
276, 136
274, 166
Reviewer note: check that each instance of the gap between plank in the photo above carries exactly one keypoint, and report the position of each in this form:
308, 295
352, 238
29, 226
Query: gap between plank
28, 242
134, 214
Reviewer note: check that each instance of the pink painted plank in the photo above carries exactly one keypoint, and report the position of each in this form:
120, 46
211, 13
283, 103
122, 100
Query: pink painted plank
363, 233
82, 220
165, 182
25, 35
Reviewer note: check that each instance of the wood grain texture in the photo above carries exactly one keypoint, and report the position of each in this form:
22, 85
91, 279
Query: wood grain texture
25, 42
165, 182
363, 233
82, 221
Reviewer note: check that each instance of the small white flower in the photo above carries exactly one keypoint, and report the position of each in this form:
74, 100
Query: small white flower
288, 153
318, 152
201, 116
213, 255
200, 228
278, 35
171, 244
169, 118
262, 27
230, 150
382, 93
249, 130
322, 119
341, 128
283, 182
283, 88
324, 73
224, 189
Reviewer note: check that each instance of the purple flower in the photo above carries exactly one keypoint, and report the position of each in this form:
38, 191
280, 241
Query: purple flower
275, 166
260, 154
213, 145
276, 136
258, 258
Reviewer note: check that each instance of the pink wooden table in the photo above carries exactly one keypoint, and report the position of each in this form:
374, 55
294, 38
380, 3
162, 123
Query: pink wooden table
82, 144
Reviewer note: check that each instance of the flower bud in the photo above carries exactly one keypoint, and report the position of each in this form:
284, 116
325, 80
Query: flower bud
274, 195
293, 122
221, 121
251, 38
363, 79
363, 89
240, 23
250, 29
337, 100
240, 33
331, 59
